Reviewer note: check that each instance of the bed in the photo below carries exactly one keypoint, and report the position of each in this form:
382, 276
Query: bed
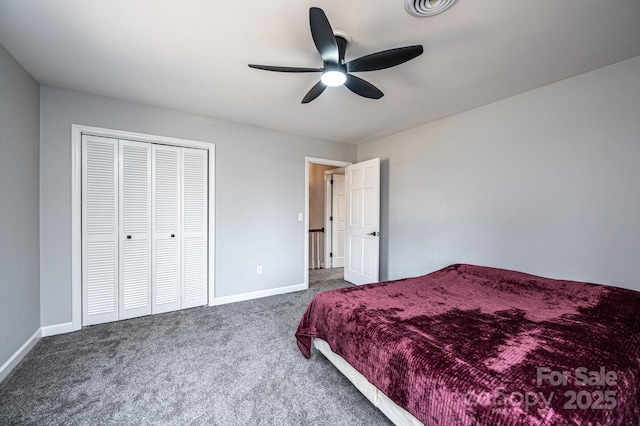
472, 345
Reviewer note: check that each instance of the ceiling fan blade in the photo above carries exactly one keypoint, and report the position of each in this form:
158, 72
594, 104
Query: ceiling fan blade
362, 87
284, 69
314, 92
323, 36
385, 59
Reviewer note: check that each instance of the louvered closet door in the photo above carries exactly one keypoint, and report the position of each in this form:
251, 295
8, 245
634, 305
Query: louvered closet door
166, 277
99, 230
195, 175
135, 229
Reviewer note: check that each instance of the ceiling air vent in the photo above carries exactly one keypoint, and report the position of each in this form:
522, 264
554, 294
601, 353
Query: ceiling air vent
427, 7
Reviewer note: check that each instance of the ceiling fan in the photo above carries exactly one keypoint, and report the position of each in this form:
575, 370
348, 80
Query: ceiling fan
336, 72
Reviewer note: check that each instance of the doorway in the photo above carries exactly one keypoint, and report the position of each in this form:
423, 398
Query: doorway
315, 211
362, 230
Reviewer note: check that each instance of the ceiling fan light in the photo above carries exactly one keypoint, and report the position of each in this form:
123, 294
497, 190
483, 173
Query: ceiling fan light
333, 78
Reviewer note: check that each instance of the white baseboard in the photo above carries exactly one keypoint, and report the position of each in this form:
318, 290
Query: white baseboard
257, 294
19, 354
52, 330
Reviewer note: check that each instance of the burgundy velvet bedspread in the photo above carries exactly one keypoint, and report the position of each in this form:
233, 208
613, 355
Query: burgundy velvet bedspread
471, 345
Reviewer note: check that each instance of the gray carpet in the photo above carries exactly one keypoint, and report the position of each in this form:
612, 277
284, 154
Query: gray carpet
317, 276
234, 364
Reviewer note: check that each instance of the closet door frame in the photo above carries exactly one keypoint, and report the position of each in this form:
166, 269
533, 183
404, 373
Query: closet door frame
76, 206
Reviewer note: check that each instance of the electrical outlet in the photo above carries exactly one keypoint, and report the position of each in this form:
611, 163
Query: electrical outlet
300, 217
259, 270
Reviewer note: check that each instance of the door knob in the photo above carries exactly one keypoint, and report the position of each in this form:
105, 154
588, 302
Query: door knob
128, 237
374, 233
173, 235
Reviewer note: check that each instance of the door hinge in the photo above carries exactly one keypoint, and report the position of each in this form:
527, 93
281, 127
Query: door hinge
330, 254
331, 181
330, 218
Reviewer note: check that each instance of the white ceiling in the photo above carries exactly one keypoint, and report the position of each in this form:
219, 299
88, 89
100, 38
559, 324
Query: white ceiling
192, 55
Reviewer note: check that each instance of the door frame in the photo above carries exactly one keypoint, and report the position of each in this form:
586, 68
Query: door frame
77, 131
307, 161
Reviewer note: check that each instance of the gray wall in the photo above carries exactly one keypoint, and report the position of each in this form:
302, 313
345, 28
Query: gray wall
259, 192
546, 182
19, 253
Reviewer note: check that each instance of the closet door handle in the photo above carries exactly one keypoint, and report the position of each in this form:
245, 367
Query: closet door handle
173, 235
128, 237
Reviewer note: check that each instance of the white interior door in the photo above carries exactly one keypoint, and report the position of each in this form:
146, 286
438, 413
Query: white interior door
99, 230
195, 177
362, 188
135, 229
166, 272
338, 225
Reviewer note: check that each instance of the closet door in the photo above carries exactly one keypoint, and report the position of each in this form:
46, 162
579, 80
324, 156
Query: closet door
99, 230
166, 234
135, 229
195, 177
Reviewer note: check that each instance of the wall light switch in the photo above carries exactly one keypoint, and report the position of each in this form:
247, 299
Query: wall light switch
259, 270
300, 217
